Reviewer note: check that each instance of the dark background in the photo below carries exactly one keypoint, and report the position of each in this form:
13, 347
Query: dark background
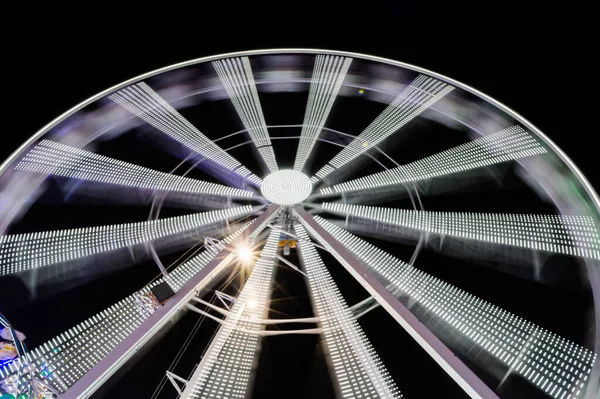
532, 60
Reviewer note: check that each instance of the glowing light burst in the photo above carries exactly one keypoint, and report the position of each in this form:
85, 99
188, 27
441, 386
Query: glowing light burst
226, 367
358, 369
553, 364
20, 252
422, 93
68, 356
286, 187
144, 102
328, 75
62, 160
565, 234
238, 80
503, 146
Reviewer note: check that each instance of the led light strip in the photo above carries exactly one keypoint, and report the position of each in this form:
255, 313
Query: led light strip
422, 93
328, 75
67, 357
20, 252
358, 369
565, 234
503, 146
58, 159
141, 100
556, 366
225, 369
238, 80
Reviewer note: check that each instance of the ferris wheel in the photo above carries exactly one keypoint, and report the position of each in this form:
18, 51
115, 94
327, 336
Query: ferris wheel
323, 163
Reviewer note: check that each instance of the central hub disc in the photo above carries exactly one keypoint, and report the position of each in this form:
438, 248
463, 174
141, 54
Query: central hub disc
286, 187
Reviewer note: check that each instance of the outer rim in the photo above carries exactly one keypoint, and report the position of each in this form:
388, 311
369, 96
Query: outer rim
588, 187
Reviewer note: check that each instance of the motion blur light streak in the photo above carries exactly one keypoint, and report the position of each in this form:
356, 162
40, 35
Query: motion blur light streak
359, 372
20, 252
555, 365
328, 76
62, 160
503, 146
144, 102
569, 235
236, 76
416, 98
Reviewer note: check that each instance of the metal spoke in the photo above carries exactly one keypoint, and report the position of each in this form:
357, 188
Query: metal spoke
564, 234
238, 80
356, 366
422, 93
21, 252
68, 357
226, 365
58, 159
328, 75
144, 102
556, 366
463, 375
503, 146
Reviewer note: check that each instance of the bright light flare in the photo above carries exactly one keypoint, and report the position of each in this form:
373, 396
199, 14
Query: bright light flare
252, 304
244, 253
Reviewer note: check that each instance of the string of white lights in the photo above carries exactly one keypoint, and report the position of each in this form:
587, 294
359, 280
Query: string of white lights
328, 75
20, 252
58, 159
564, 234
421, 94
225, 369
503, 146
238, 80
64, 359
469, 324
141, 100
358, 370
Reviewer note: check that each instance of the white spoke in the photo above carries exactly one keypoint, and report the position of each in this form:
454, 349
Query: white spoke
69, 356
238, 80
556, 366
422, 93
58, 159
357, 367
225, 368
564, 234
328, 75
503, 146
144, 102
21, 252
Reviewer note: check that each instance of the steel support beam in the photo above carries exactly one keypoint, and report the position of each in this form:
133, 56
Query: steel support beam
104, 369
451, 364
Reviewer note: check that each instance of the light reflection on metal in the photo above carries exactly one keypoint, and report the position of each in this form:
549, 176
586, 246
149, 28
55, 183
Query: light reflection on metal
503, 146
328, 75
558, 367
565, 234
144, 102
238, 80
357, 368
422, 93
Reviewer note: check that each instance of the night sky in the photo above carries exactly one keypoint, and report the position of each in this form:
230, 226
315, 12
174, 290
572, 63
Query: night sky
524, 59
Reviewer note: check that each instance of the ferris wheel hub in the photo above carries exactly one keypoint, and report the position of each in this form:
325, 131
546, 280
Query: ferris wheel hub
286, 187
